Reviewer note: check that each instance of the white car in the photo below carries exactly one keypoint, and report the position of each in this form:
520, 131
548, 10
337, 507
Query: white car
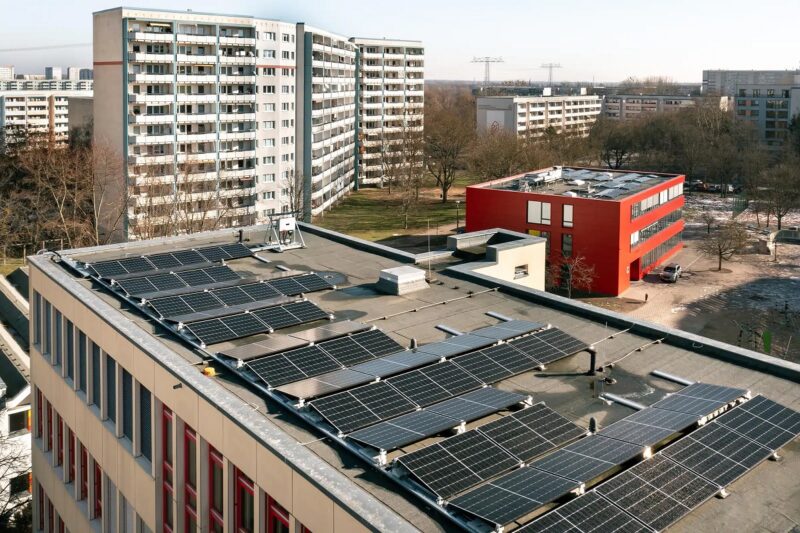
670, 273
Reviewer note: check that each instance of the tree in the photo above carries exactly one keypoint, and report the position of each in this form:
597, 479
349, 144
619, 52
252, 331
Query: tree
570, 273
497, 154
615, 141
404, 170
729, 239
782, 188
14, 467
447, 137
708, 219
294, 186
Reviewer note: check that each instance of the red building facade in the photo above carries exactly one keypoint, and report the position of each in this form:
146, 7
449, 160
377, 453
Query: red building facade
624, 237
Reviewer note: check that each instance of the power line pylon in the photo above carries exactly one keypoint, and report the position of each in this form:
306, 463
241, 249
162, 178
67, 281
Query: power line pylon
550, 67
487, 61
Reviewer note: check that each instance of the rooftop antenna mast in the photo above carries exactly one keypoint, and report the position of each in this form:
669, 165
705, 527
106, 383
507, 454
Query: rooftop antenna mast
487, 62
550, 67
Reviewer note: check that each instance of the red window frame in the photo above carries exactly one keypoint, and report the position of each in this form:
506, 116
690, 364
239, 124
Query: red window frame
49, 427
41, 508
242, 484
98, 491
167, 468
189, 489
215, 510
49, 516
60, 441
277, 515
39, 417
70, 455
84, 492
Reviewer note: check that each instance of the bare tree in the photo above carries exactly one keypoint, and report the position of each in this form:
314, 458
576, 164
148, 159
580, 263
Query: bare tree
708, 219
294, 185
496, 154
14, 470
782, 188
404, 169
571, 273
447, 137
615, 141
729, 239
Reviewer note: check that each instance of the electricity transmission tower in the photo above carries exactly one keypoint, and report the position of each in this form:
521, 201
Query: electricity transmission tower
550, 67
487, 61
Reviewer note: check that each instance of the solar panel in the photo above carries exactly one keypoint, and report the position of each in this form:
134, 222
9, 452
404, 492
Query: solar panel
455, 464
766, 422
287, 286
201, 301
383, 400
244, 325
108, 269
188, 257
362, 406
662, 418
451, 377
194, 278
688, 404
513, 495
259, 291
379, 367
421, 389
165, 282
507, 330
563, 341
236, 250
136, 286
403, 430
717, 453
136, 264
232, 296
537, 348
275, 370
171, 306
277, 317
346, 351
482, 367
451, 346
211, 331
476, 404
221, 273
589, 513
164, 261
323, 384
377, 342
512, 359
549, 424
657, 492
212, 254
707, 391
641, 434
588, 458
306, 311
313, 282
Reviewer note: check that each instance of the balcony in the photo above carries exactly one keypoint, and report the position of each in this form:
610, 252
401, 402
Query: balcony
142, 57
151, 139
237, 60
149, 119
151, 37
191, 58
197, 118
238, 173
237, 98
244, 41
237, 154
237, 135
231, 117
152, 78
197, 78
197, 98
146, 159
197, 137
237, 78
198, 157
151, 98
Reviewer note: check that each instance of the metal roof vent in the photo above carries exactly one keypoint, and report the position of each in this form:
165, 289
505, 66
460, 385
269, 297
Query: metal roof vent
402, 280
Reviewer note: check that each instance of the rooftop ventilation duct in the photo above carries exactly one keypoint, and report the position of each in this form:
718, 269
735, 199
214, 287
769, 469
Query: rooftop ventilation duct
402, 280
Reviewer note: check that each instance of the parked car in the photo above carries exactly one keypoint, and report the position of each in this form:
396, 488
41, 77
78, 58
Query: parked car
670, 273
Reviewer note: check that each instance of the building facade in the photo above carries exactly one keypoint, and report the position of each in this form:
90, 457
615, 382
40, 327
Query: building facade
770, 109
626, 107
43, 113
86, 74
727, 82
533, 116
623, 227
6, 72
53, 73
391, 104
46, 85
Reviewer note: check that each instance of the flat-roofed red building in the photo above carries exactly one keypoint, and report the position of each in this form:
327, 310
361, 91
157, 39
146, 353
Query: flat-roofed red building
624, 223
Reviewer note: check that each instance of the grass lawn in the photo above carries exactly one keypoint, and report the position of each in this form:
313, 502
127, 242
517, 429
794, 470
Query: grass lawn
374, 214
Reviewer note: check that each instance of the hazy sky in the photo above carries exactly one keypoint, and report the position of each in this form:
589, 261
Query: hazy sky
604, 41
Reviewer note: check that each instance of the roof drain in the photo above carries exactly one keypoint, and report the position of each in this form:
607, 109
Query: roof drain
622, 401
499, 316
671, 377
448, 329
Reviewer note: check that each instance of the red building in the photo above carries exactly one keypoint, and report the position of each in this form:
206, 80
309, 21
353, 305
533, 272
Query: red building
623, 223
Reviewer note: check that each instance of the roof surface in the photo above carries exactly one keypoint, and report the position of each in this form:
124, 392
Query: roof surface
765, 499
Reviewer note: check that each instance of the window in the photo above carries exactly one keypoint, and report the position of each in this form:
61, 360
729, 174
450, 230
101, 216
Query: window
538, 212
84, 488
243, 499
48, 332
59, 440
145, 433
277, 518
127, 405
39, 400
190, 478
167, 424
520, 271
95, 399
18, 422
70, 351
70, 456
566, 216
566, 245
82, 361
37, 318
111, 389
59, 344
216, 491
49, 427
18, 484
98, 491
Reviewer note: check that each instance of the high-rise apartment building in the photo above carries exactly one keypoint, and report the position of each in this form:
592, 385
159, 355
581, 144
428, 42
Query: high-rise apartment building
42, 113
53, 73
533, 116
726, 82
632, 106
225, 117
6, 72
391, 100
73, 73
86, 74
45, 85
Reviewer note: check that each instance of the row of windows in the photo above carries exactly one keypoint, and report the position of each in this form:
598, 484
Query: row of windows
656, 253
539, 213
652, 202
96, 377
657, 226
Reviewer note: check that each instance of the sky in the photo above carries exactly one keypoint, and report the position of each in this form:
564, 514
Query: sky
593, 41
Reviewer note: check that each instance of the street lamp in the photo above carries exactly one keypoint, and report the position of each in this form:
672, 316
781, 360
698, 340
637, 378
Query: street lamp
458, 202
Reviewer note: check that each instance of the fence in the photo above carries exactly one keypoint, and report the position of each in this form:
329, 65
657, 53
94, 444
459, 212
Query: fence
739, 204
17, 253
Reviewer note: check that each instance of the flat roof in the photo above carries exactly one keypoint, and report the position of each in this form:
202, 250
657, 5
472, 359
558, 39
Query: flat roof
764, 498
581, 182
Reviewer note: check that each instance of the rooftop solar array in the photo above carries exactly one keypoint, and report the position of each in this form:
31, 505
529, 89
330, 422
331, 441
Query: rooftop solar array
264, 320
700, 399
166, 281
166, 261
186, 305
591, 513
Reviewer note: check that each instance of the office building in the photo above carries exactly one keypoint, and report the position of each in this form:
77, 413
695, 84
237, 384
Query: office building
727, 82
86, 74
533, 116
52, 73
6, 72
242, 123
42, 114
624, 224
310, 412
391, 101
73, 73
628, 106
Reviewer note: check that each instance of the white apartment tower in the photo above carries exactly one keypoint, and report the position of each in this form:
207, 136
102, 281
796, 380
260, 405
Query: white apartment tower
43, 113
533, 116
391, 100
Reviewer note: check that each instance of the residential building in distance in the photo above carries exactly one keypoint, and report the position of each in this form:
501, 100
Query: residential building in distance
86, 74
53, 73
630, 106
770, 109
623, 223
238, 110
6, 72
533, 116
73, 73
42, 113
391, 101
727, 82
283, 400
46, 85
